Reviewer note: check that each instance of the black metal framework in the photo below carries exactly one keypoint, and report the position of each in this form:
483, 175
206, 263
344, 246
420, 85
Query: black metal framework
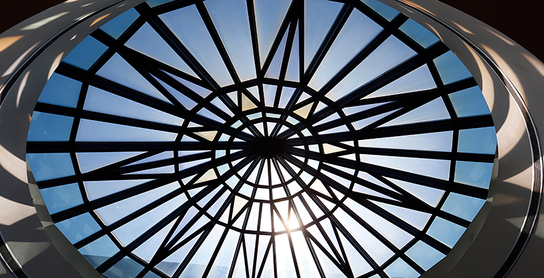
270, 167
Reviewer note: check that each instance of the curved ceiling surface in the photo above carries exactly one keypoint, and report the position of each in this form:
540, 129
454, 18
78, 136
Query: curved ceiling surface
262, 139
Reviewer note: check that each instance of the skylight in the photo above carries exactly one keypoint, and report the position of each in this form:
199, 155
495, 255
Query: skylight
292, 138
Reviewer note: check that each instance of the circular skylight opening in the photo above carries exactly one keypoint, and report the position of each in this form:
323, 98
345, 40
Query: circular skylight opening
262, 138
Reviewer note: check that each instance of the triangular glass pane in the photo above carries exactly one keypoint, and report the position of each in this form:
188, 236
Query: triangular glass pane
210, 115
389, 54
127, 233
231, 20
285, 263
275, 66
305, 262
319, 15
172, 262
419, 79
386, 228
147, 41
373, 246
203, 256
115, 211
329, 268
332, 117
360, 108
360, 124
147, 250
182, 98
203, 92
345, 47
269, 94
92, 161
190, 29
217, 102
429, 195
120, 71
293, 68
359, 265
120, 133
286, 95
436, 141
99, 189
222, 262
105, 102
338, 129
434, 110
435, 168
269, 16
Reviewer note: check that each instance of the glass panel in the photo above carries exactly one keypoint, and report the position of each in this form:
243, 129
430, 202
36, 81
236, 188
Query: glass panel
285, 263
147, 250
356, 33
133, 229
188, 26
419, 79
99, 189
415, 218
388, 55
319, 15
101, 101
147, 41
79, 227
113, 212
306, 264
434, 110
419, 33
86, 53
170, 264
62, 197
49, 127
269, 16
232, 23
379, 252
114, 132
463, 206
225, 256
126, 268
446, 231
473, 173
92, 161
429, 195
424, 255
394, 234
47, 166
118, 25
61, 90
275, 65
478, 140
202, 257
99, 251
435, 168
450, 68
399, 268
382, 9
362, 266
437, 141
469, 102
293, 68
118, 70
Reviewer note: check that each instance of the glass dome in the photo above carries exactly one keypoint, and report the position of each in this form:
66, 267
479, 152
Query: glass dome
291, 138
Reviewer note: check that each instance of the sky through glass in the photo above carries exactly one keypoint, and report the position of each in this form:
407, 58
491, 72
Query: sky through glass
257, 138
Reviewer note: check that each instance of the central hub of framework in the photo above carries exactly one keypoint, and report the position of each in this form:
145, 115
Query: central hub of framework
268, 147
